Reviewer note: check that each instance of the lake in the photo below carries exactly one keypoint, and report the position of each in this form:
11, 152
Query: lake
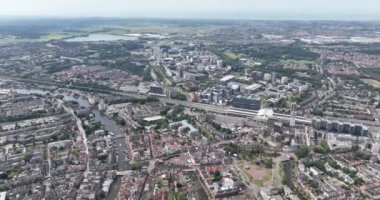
146, 35
99, 37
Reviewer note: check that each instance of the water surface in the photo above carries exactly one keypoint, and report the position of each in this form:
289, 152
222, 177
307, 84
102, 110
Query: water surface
97, 37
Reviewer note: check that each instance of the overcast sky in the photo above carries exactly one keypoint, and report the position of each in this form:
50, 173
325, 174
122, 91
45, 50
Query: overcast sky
237, 9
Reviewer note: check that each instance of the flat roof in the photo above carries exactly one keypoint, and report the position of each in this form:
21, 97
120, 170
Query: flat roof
253, 86
153, 118
227, 78
3, 195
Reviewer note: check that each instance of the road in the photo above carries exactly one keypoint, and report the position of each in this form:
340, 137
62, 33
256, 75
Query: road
49, 161
81, 130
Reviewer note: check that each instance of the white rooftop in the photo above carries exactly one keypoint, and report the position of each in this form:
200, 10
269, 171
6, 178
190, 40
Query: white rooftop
227, 78
265, 112
154, 118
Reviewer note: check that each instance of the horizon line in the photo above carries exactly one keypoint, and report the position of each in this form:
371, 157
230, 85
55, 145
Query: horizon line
310, 18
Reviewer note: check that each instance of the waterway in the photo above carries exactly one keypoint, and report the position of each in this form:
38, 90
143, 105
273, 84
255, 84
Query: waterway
109, 124
97, 37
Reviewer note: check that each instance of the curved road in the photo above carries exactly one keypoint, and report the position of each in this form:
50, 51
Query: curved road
82, 132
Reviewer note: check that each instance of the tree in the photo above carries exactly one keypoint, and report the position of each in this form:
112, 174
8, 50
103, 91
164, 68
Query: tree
314, 184
26, 157
3, 175
359, 181
317, 112
281, 103
100, 195
120, 121
325, 146
179, 97
102, 156
232, 148
136, 166
216, 176
362, 155
303, 151
269, 163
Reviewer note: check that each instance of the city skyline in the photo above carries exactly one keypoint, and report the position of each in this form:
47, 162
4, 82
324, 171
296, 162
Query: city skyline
189, 100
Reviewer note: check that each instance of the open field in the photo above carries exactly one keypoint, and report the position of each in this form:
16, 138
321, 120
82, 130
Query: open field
233, 55
114, 30
43, 38
257, 174
306, 62
55, 36
165, 29
51, 35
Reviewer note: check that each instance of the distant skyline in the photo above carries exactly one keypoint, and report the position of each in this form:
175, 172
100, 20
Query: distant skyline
210, 9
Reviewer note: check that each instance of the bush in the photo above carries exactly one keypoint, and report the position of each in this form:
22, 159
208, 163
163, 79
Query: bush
136, 166
181, 97
102, 156
361, 155
269, 163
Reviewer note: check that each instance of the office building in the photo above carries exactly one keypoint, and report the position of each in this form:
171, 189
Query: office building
246, 103
267, 77
273, 77
284, 80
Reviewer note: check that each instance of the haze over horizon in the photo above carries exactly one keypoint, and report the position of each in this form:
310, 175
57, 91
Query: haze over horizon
212, 9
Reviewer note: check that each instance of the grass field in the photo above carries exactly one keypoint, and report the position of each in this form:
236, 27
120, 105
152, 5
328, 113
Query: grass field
95, 55
170, 196
116, 30
51, 35
165, 29
233, 55
306, 62
54, 36
59, 34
